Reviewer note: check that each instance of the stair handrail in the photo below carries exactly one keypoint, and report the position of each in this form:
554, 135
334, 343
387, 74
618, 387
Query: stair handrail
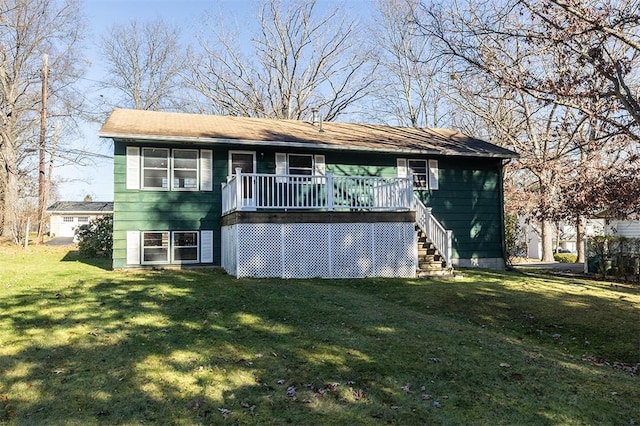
435, 232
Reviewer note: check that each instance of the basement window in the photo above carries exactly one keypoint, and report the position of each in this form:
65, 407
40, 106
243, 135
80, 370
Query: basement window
185, 247
155, 247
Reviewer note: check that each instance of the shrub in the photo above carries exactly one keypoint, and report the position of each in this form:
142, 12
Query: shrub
565, 257
96, 238
616, 256
515, 245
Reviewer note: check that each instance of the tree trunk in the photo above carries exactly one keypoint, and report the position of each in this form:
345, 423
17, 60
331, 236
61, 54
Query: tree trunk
547, 241
10, 199
580, 225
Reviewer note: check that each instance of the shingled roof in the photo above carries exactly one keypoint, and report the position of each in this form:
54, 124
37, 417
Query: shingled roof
127, 124
103, 207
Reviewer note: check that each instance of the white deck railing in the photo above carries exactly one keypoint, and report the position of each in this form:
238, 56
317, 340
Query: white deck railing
440, 237
261, 191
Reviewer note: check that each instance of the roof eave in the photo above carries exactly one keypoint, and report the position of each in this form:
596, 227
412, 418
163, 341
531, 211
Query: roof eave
72, 212
191, 139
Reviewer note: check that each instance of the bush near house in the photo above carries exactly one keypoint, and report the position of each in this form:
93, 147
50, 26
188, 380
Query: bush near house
96, 238
614, 256
516, 248
565, 257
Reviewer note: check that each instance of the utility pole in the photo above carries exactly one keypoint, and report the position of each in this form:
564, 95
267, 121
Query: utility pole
42, 199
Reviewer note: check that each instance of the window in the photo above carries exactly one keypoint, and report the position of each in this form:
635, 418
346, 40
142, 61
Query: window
418, 169
83, 219
155, 168
300, 164
188, 170
155, 247
185, 169
243, 160
185, 246
67, 219
425, 172
166, 247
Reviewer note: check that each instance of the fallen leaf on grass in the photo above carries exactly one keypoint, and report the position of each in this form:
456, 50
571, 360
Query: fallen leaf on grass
357, 394
291, 391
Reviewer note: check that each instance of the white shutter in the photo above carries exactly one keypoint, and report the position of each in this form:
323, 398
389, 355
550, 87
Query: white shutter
133, 247
433, 174
206, 246
281, 166
206, 170
402, 167
319, 167
133, 168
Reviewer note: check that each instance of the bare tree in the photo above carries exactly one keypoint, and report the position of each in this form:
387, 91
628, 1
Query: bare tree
144, 63
29, 28
408, 91
601, 39
298, 60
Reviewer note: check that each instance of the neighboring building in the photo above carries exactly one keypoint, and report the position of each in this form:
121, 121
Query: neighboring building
564, 238
622, 228
67, 216
310, 200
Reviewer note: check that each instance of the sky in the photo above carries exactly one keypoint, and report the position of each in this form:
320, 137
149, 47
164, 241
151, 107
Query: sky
96, 178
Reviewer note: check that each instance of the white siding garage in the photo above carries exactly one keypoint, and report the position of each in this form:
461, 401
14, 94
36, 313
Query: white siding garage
67, 216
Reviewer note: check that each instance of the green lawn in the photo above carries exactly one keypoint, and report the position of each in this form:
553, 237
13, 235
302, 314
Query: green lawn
80, 344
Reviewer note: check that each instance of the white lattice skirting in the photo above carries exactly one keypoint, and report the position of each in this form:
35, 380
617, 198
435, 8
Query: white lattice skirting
327, 250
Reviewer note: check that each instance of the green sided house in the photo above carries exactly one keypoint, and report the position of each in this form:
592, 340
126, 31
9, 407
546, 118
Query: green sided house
295, 199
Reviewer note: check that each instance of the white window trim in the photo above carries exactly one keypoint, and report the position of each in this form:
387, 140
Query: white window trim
142, 247
143, 168
311, 169
253, 153
135, 248
426, 173
172, 247
173, 170
318, 164
135, 169
432, 178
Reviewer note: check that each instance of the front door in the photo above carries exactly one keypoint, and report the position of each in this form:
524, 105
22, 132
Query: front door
246, 162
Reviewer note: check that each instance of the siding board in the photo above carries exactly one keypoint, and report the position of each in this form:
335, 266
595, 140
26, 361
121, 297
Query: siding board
468, 200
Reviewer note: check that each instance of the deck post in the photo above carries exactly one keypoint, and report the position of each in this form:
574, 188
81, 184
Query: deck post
239, 189
449, 247
410, 196
329, 183
428, 221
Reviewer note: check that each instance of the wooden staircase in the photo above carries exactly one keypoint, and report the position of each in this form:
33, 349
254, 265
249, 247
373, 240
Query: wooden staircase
430, 261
